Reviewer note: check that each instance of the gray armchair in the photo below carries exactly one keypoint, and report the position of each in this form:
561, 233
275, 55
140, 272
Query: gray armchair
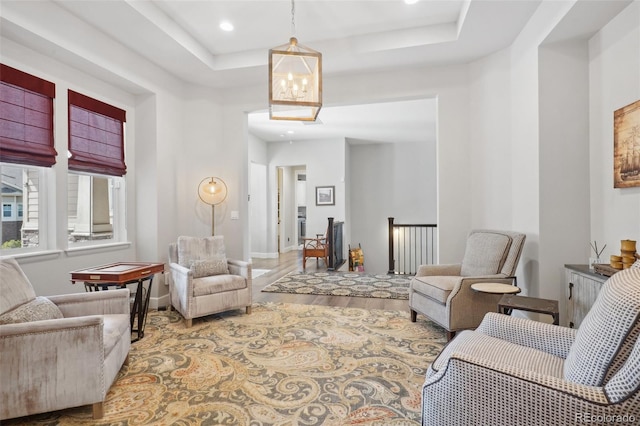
443, 292
203, 281
59, 351
517, 371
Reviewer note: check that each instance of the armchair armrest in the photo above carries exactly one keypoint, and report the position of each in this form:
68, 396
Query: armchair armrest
472, 370
439, 270
534, 334
93, 303
48, 351
239, 267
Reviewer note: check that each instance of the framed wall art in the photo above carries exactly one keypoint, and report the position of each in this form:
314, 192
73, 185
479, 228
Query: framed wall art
325, 195
626, 146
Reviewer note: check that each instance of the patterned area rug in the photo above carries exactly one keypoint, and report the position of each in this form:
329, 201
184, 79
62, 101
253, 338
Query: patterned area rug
285, 364
343, 284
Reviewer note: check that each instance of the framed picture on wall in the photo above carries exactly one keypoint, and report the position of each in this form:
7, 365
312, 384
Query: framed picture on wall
626, 146
325, 195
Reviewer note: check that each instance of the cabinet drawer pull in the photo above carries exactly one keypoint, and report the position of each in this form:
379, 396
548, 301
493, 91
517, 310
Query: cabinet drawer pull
570, 290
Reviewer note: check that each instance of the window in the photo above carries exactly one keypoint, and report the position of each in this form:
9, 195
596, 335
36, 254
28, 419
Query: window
95, 190
26, 152
21, 187
93, 203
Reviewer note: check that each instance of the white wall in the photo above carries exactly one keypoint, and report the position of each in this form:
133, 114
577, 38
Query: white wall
324, 161
614, 81
389, 180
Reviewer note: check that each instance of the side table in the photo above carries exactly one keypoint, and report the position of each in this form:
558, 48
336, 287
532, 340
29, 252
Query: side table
495, 288
119, 275
508, 302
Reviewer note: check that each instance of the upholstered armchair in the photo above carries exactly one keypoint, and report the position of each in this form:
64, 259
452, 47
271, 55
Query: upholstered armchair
443, 292
59, 351
203, 281
517, 371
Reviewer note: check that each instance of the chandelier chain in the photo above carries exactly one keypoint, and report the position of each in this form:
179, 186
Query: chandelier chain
293, 18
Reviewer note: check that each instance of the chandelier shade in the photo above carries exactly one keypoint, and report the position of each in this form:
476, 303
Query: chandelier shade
295, 80
212, 191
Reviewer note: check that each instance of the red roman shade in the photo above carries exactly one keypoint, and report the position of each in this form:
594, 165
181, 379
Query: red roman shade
26, 118
96, 136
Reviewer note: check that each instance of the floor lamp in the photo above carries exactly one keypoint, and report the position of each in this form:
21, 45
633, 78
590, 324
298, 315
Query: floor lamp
212, 191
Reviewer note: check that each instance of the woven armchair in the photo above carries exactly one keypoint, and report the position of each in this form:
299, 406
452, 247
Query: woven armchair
521, 372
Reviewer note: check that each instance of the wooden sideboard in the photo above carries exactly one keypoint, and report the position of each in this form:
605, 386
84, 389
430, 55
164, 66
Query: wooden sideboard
582, 288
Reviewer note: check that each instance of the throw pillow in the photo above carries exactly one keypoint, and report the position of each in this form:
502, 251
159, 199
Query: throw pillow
38, 309
636, 264
208, 267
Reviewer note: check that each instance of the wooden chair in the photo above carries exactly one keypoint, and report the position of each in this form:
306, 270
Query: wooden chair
315, 247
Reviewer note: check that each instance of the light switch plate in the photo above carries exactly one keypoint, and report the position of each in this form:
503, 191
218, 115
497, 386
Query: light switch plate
235, 215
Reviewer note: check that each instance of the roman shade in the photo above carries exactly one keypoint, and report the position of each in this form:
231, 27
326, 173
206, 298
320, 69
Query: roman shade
96, 136
26, 118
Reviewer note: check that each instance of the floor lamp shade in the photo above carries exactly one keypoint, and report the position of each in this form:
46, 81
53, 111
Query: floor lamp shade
212, 191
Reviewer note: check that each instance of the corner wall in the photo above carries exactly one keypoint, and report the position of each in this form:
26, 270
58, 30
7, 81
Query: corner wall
614, 81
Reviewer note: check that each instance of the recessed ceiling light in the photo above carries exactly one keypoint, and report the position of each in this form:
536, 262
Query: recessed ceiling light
411, 1
226, 26
290, 132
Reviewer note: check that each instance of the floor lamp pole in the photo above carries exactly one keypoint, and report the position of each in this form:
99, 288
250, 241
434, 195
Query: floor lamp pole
213, 219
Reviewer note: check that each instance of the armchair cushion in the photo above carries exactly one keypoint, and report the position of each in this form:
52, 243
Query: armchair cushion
608, 332
217, 284
207, 267
509, 356
15, 287
485, 253
533, 334
435, 287
37, 309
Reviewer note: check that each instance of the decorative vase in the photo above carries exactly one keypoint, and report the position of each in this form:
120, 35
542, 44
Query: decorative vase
628, 246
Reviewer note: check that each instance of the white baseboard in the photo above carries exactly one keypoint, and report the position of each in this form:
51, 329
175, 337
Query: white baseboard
162, 301
258, 255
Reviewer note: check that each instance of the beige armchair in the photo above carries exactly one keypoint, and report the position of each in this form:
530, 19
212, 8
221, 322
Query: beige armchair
59, 351
515, 371
203, 281
443, 292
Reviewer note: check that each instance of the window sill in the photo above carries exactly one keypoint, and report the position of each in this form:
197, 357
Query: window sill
77, 251
35, 255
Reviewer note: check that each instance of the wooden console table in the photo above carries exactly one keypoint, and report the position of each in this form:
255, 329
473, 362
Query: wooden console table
119, 275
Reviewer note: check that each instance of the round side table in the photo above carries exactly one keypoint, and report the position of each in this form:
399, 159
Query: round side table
495, 288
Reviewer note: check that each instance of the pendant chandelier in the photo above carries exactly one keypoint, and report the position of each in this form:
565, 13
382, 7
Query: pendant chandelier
295, 80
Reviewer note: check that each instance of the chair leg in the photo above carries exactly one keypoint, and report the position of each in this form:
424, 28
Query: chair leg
414, 315
450, 335
249, 310
126, 360
98, 410
188, 323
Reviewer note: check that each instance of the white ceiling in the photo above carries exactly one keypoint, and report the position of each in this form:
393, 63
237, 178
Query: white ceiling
183, 37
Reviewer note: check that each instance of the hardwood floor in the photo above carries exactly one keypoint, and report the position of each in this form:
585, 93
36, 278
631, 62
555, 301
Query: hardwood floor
292, 261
